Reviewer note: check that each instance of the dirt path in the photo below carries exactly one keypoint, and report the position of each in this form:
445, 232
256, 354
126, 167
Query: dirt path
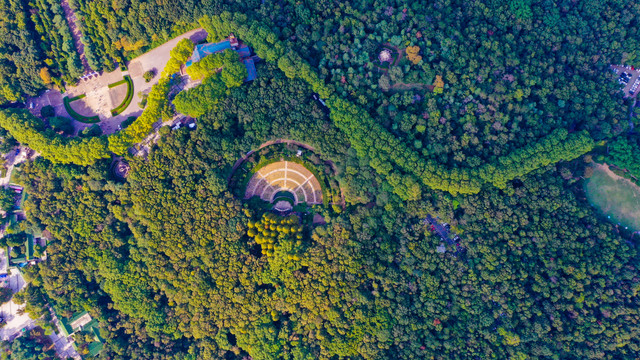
75, 33
607, 169
411, 86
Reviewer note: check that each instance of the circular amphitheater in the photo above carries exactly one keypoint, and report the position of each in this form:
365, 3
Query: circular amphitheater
286, 176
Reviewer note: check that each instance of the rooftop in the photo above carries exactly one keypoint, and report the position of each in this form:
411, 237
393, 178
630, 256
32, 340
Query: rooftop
243, 51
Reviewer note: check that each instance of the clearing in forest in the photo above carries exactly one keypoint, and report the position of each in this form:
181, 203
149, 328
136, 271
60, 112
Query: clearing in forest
615, 196
285, 176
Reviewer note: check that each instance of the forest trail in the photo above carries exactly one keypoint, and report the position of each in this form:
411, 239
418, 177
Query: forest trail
411, 86
75, 33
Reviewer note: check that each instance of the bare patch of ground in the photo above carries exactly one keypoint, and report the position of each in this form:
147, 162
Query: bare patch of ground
616, 197
117, 95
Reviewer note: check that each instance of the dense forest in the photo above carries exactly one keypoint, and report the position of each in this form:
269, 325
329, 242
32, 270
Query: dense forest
36, 49
165, 257
475, 118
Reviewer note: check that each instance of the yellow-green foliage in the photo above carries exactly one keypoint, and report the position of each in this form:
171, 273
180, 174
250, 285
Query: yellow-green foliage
157, 105
179, 55
139, 129
272, 230
29, 130
212, 63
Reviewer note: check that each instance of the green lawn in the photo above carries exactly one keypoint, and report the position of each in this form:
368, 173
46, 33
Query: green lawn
616, 197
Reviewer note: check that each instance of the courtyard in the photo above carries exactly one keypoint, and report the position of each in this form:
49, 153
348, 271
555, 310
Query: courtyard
99, 99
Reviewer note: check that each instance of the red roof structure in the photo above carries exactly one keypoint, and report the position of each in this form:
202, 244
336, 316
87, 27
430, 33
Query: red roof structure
233, 41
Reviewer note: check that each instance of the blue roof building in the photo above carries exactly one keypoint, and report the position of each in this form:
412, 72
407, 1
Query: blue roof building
243, 51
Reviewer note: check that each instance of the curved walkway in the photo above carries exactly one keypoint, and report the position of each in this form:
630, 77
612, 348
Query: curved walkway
273, 142
285, 176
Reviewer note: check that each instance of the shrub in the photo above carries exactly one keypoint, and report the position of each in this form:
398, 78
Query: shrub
81, 96
63, 124
117, 83
47, 111
92, 131
5, 295
128, 122
149, 75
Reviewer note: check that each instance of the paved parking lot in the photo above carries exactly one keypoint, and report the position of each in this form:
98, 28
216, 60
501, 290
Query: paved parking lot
15, 322
628, 77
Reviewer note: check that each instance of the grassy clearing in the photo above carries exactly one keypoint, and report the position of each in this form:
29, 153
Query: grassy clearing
81, 96
75, 115
615, 196
117, 83
127, 100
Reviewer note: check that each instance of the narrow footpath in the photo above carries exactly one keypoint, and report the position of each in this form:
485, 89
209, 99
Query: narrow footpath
75, 33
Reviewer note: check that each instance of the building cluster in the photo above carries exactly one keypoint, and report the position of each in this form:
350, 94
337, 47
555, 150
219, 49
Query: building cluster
244, 51
81, 323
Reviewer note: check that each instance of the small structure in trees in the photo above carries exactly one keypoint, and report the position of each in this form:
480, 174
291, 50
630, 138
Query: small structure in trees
121, 169
82, 323
244, 52
385, 56
233, 41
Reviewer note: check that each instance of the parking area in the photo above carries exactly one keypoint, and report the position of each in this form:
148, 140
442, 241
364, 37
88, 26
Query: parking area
15, 323
628, 77
63, 345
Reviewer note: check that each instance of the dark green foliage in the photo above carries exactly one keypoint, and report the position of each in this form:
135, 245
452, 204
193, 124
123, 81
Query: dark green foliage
161, 246
165, 258
14, 240
128, 122
20, 57
30, 131
7, 141
91, 131
5, 294
123, 30
7, 199
61, 124
30, 346
56, 41
201, 99
47, 111
624, 152
149, 75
